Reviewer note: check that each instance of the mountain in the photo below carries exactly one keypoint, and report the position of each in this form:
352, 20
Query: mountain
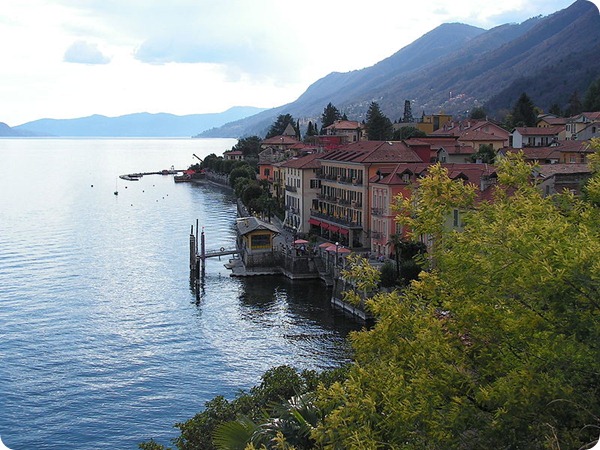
6, 131
137, 125
456, 67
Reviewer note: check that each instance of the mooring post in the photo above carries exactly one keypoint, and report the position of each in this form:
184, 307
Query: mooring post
202, 250
193, 246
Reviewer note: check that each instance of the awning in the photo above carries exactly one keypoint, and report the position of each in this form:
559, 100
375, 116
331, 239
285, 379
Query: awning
325, 226
334, 228
314, 222
344, 231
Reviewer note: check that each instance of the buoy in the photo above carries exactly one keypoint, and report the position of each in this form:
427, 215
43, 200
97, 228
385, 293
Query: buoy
116, 192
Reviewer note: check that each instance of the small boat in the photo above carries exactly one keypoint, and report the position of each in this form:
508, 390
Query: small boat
131, 177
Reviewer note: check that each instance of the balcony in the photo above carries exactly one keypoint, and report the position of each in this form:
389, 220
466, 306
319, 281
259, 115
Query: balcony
377, 211
340, 221
290, 188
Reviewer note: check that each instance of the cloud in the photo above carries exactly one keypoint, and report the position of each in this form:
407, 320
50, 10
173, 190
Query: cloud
83, 52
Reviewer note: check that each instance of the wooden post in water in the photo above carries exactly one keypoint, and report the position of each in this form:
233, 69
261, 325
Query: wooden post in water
202, 250
193, 246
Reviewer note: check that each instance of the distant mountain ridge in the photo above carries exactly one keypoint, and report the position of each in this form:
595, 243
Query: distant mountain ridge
456, 67
135, 125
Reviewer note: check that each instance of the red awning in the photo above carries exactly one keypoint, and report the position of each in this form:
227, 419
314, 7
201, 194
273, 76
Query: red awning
325, 226
314, 222
344, 231
334, 228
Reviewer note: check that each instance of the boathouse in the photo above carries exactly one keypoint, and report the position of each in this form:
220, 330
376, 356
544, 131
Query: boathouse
255, 242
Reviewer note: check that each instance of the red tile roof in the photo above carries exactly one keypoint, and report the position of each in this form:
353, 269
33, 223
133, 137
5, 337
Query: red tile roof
306, 162
540, 131
373, 152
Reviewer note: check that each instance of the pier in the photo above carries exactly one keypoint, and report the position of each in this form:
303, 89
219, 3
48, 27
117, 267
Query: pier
198, 258
136, 176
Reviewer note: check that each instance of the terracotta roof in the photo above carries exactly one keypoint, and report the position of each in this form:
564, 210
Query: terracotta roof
468, 171
553, 120
373, 152
306, 162
344, 125
540, 131
537, 153
478, 135
554, 151
549, 170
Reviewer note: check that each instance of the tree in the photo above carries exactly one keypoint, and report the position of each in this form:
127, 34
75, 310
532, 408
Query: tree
523, 113
485, 154
591, 101
311, 130
575, 107
495, 347
279, 126
378, 126
478, 113
555, 110
249, 146
329, 116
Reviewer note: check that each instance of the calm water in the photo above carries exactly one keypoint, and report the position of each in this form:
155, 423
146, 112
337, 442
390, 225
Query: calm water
102, 343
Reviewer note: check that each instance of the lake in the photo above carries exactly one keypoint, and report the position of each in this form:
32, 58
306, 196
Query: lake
102, 342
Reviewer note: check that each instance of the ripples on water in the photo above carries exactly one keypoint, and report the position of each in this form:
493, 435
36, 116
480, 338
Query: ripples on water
103, 344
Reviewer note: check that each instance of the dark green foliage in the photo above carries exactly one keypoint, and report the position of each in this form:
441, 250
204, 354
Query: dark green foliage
556, 110
523, 113
241, 171
311, 130
277, 129
575, 107
388, 275
407, 133
275, 397
591, 102
485, 154
249, 146
378, 126
478, 113
329, 116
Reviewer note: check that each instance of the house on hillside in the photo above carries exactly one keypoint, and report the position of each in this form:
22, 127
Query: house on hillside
583, 126
522, 137
349, 131
550, 120
341, 212
557, 178
399, 180
235, 155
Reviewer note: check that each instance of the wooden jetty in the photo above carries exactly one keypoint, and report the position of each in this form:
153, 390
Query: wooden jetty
199, 256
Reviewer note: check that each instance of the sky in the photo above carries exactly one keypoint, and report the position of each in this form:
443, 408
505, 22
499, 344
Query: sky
73, 58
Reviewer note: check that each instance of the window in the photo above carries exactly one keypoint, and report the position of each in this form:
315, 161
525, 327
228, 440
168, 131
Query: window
456, 218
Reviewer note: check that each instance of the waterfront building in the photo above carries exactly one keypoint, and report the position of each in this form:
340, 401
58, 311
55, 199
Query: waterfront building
255, 242
302, 185
341, 211
399, 180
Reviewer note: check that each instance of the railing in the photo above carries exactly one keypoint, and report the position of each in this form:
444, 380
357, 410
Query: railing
290, 188
377, 211
347, 223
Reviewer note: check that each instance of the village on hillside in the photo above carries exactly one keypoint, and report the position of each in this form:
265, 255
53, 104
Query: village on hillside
340, 186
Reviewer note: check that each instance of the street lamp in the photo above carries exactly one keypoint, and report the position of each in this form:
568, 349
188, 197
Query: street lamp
337, 245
